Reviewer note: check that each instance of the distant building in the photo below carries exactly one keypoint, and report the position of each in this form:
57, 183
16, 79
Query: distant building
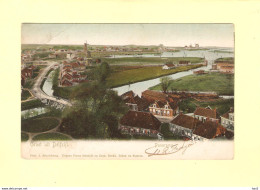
70, 55
194, 129
206, 114
168, 66
134, 102
227, 120
139, 123
197, 46
151, 96
164, 108
184, 62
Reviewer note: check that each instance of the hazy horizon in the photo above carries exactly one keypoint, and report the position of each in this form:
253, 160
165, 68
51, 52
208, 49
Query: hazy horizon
170, 35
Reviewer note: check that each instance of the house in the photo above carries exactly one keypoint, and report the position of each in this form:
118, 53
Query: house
183, 125
139, 123
214, 67
206, 114
70, 55
227, 69
66, 82
184, 63
227, 120
168, 66
128, 94
151, 96
27, 72
194, 129
164, 108
136, 103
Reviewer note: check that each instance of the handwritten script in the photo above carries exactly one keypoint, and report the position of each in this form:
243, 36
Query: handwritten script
166, 149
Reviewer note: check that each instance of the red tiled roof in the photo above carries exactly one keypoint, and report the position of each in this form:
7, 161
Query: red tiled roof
206, 112
185, 121
152, 96
128, 94
209, 130
140, 119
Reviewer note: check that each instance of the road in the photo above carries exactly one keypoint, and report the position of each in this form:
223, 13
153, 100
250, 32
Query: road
37, 92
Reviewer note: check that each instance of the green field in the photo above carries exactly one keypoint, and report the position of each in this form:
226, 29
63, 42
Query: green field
32, 104
141, 74
222, 51
39, 125
149, 60
220, 83
51, 136
231, 59
222, 105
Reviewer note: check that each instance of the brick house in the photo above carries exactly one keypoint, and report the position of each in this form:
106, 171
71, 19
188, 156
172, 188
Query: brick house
206, 114
164, 108
194, 129
227, 120
139, 123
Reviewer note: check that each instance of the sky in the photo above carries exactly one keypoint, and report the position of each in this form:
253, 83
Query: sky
221, 35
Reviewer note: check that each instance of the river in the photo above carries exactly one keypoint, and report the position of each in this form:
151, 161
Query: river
47, 86
209, 55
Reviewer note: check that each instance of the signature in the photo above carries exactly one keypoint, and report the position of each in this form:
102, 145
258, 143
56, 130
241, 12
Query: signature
166, 149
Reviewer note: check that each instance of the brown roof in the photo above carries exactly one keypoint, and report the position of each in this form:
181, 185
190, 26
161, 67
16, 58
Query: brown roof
209, 130
141, 103
186, 121
206, 112
140, 119
169, 64
129, 94
152, 96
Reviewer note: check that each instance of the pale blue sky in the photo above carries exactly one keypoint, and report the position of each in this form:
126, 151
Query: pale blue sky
125, 34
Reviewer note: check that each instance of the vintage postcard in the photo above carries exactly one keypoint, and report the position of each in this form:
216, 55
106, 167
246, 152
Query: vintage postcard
127, 91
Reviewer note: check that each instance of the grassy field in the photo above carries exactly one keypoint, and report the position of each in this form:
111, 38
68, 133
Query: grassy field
150, 60
222, 51
25, 95
39, 125
222, 105
220, 83
141, 74
51, 136
32, 104
225, 59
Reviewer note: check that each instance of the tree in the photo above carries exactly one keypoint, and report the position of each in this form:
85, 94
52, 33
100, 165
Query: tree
96, 109
165, 83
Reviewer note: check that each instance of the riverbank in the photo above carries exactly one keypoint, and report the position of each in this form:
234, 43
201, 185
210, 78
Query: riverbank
131, 76
220, 83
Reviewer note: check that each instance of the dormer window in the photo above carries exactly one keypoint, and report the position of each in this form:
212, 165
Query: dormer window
166, 107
